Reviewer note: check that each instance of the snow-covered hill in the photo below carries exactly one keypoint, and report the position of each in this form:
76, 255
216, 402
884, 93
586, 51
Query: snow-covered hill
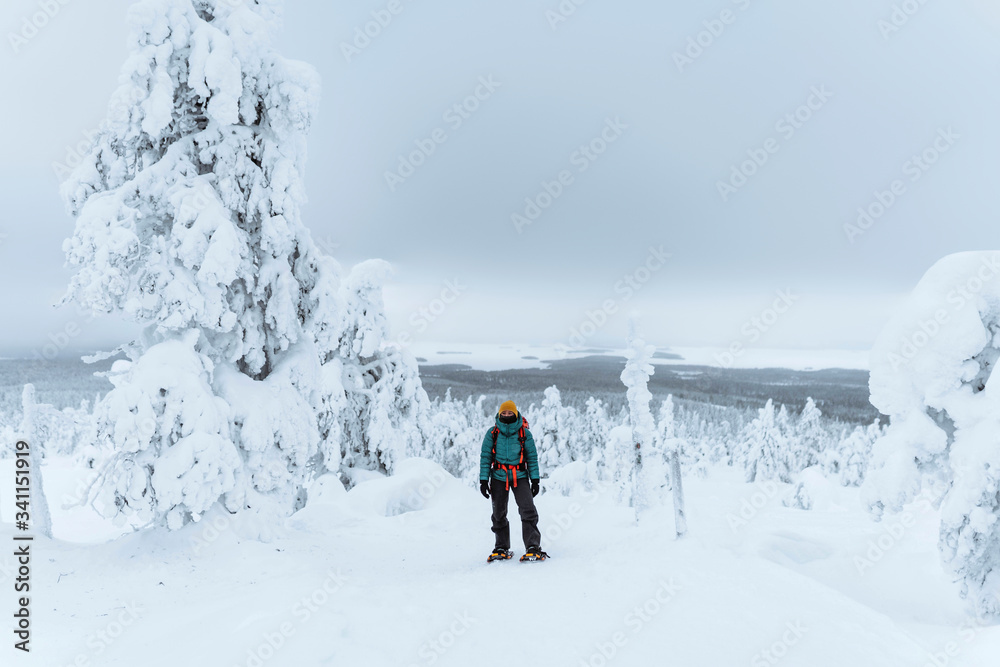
393, 573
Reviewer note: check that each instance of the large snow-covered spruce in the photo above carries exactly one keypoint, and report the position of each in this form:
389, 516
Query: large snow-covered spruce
188, 222
188, 206
931, 372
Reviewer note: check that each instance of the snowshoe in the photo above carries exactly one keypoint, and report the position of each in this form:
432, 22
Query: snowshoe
533, 554
500, 554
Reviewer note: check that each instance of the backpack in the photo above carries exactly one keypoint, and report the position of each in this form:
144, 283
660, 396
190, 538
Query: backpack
520, 465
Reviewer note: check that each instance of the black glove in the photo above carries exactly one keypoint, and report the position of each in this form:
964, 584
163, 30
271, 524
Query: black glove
534, 488
484, 488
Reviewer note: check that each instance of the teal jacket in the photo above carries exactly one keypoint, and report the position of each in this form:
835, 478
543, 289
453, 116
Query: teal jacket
508, 451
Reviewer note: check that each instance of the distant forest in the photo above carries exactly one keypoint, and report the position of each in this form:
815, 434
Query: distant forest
840, 394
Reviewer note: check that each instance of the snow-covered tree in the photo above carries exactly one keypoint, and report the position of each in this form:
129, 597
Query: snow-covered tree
671, 447
41, 519
932, 373
383, 411
455, 435
666, 426
554, 429
635, 376
188, 222
854, 452
62, 431
810, 435
594, 430
765, 448
783, 421
616, 464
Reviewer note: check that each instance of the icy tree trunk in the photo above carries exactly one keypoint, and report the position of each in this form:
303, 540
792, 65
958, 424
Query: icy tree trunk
680, 523
40, 518
637, 495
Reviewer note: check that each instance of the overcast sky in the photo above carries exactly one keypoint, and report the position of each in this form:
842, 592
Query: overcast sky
878, 98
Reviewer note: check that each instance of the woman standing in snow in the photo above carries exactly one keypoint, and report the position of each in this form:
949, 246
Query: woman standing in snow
507, 463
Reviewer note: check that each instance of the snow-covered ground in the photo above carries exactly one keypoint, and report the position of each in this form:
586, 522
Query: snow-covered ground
393, 573
487, 357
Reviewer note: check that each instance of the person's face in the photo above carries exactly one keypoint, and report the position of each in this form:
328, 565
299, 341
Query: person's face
507, 413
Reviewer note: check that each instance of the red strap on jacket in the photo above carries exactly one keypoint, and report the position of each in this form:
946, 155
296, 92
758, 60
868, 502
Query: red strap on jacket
507, 470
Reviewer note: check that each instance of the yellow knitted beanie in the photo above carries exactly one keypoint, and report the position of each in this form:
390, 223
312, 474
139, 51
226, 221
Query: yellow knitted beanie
508, 405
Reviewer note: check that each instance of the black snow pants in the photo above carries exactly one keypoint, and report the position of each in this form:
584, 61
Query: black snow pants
525, 507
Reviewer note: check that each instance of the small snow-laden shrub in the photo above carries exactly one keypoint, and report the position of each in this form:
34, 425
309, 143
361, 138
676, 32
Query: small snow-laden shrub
798, 498
573, 479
